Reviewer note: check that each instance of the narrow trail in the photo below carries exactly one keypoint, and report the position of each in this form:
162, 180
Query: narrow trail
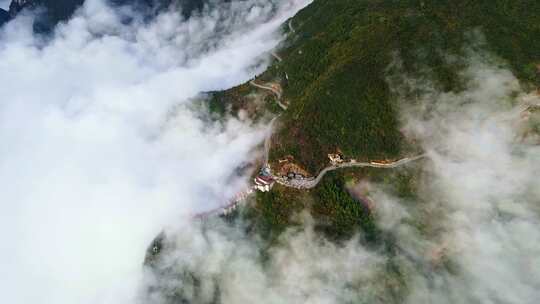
310, 183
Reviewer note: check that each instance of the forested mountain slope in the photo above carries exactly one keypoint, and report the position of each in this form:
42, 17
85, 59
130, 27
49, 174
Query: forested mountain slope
335, 70
338, 58
439, 228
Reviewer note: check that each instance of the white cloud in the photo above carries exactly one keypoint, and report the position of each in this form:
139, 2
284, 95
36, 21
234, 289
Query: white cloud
92, 165
100, 151
471, 237
302, 267
479, 208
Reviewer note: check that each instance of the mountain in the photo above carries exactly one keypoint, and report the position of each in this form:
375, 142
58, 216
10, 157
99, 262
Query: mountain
343, 56
336, 91
337, 86
334, 74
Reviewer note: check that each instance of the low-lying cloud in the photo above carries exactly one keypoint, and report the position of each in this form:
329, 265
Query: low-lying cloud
100, 149
216, 262
479, 209
471, 236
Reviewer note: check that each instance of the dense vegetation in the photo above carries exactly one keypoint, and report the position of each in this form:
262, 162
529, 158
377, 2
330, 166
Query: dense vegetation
338, 58
336, 213
338, 63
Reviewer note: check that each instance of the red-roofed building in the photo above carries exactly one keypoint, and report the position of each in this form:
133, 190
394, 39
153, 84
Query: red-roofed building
263, 183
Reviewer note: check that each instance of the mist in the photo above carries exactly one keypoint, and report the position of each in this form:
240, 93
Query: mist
217, 262
476, 225
101, 149
470, 235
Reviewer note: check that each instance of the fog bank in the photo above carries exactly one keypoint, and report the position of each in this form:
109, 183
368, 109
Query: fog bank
100, 149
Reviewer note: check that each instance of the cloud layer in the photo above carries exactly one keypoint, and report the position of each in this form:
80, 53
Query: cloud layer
216, 262
470, 236
479, 200
100, 149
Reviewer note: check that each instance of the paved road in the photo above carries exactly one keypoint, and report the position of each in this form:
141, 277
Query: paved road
309, 183
273, 90
264, 87
530, 100
278, 58
291, 27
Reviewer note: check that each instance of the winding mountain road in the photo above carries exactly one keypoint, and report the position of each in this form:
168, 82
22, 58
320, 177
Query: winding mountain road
310, 183
264, 87
291, 27
273, 90
278, 58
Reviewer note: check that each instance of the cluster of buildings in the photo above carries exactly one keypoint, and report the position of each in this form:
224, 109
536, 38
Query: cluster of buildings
335, 158
264, 181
